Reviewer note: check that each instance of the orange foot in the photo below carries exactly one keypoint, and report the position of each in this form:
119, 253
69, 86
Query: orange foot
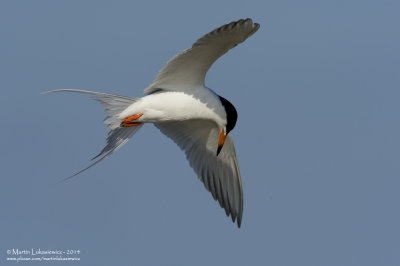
129, 121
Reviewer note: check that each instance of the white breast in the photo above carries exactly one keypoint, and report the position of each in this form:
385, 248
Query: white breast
178, 106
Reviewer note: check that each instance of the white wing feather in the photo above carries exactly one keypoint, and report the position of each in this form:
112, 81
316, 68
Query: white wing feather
220, 174
188, 69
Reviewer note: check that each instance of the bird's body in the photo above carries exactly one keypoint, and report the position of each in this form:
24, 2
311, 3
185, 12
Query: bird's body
173, 106
197, 119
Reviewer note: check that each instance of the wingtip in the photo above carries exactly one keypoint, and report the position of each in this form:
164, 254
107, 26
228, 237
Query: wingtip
239, 222
255, 26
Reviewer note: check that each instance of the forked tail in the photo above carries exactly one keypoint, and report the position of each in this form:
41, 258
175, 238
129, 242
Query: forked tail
118, 136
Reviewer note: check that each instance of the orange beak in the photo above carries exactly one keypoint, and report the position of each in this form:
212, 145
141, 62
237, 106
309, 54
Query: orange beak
221, 141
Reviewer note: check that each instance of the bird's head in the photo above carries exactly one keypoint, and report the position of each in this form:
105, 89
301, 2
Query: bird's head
231, 118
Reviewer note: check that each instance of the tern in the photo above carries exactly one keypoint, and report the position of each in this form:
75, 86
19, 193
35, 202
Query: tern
196, 118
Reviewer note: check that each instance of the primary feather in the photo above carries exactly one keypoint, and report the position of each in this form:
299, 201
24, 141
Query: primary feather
188, 69
219, 174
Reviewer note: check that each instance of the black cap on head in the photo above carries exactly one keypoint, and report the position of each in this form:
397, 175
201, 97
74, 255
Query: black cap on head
231, 114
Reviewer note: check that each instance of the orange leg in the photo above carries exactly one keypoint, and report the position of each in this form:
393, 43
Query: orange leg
129, 121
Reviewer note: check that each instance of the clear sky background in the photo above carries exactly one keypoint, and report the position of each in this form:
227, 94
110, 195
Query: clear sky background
317, 89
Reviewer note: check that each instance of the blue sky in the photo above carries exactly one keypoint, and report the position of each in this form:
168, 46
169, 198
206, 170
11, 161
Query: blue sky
317, 91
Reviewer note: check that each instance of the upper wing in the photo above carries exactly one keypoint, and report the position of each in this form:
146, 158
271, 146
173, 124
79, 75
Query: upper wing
188, 69
220, 174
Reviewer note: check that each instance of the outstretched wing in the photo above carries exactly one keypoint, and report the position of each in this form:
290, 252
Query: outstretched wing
188, 69
220, 174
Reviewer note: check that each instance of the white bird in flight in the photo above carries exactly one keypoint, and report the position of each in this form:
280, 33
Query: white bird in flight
196, 118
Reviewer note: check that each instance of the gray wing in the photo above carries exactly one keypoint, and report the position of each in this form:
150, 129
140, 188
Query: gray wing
220, 174
188, 69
